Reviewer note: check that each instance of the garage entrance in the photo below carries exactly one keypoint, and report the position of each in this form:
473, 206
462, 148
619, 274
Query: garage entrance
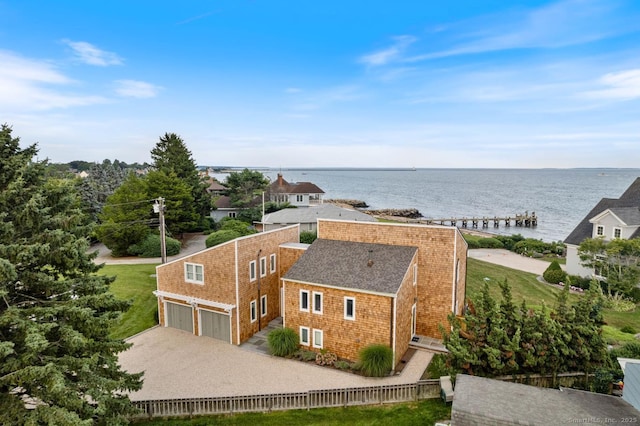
179, 316
216, 325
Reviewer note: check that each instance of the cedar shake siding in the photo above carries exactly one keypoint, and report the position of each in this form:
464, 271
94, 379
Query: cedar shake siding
378, 278
439, 250
226, 285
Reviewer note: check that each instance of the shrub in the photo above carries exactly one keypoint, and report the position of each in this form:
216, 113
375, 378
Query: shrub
306, 355
342, 365
628, 329
242, 228
150, 247
554, 273
326, 358
283, 342
220, 237
472, 242
437, 367
376, 360
602, 379
308, 237
493, 243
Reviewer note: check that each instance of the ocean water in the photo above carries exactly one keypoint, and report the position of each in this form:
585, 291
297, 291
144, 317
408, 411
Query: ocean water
559, 197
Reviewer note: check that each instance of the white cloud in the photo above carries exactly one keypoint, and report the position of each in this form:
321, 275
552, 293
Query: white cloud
382, 57
136, 89
27, 85
623, 85
91, 55
564, 23
292, 90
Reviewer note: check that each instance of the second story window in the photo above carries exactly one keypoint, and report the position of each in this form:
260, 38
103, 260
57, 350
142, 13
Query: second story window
194, 273
617, 232
263, 266
599, 230
252, 270
304, 300
317, 302
272, 263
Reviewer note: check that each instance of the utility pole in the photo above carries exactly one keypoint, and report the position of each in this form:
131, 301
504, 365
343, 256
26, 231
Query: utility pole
158, 207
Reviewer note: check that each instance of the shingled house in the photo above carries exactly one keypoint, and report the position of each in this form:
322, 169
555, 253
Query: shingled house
299, 194
358, 283
610, 218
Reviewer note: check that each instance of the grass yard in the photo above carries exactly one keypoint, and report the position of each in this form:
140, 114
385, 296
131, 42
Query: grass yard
135, 283
525, 286
426, 412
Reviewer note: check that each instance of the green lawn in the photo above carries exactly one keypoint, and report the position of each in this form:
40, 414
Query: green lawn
426, 412
135, 283
525, 286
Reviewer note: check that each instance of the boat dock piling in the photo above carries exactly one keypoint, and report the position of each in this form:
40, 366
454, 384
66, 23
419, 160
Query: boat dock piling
523, 220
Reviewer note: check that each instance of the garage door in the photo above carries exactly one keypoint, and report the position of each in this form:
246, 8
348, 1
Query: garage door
216, 325
180, 317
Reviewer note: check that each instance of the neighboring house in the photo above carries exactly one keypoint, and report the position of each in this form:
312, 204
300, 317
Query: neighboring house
610, 218
358, 283
215, 188
308, 217
631, 390
224, 208
299, 194
481, 401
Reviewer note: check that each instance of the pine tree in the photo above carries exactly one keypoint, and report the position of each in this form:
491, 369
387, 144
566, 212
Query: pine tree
55, 312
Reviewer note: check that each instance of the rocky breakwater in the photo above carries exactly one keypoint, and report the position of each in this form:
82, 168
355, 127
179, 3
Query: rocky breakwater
404, 213
358, 204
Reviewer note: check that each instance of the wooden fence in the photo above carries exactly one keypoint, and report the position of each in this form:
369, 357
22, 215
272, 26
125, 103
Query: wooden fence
423, 389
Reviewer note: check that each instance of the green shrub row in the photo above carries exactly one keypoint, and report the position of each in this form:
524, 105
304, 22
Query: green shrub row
150, 247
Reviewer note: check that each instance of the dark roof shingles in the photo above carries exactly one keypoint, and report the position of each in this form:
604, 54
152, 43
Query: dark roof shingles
347, 264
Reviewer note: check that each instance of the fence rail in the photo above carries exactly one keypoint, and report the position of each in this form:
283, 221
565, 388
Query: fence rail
423, 389
369, 395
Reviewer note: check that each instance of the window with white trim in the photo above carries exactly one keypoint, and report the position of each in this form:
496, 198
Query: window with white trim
599, 230
317, 338
304, 300
232, 214
263, 305
350, 308
299, 198
617, 232
252, 310
304, 336
317, 302
194, 273
263, 266
252, 270
272, 263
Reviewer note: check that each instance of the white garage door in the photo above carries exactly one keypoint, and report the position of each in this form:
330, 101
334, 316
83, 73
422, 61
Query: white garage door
216, 325
179, 316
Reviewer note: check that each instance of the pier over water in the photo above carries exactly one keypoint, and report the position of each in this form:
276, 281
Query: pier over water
526, 220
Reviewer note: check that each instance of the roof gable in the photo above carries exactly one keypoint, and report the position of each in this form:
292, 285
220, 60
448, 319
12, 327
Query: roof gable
584, 230
313, 213
379, 268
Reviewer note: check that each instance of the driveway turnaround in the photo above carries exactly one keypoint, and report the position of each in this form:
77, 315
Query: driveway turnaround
177, 364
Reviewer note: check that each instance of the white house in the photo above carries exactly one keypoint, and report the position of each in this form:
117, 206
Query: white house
611, 218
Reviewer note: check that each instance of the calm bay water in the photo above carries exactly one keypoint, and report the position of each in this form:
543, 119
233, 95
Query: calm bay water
559, 197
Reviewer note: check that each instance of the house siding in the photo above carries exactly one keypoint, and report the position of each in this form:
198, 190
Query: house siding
436, 262
343, 337
220, 265
407, 294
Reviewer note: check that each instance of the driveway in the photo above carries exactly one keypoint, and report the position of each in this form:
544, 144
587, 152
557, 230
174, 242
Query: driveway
192, 243
510, 260
178, 364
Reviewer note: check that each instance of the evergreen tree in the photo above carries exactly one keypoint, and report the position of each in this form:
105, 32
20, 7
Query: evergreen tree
102, 181
180, 214
55, 312
170, 155
243, 187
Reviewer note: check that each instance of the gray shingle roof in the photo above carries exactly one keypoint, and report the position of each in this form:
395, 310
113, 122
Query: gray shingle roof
630, 198
313, 213
482, 401
629, 215
347, 264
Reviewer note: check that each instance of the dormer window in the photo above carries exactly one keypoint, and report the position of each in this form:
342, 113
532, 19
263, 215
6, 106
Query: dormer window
617, 233
599, 230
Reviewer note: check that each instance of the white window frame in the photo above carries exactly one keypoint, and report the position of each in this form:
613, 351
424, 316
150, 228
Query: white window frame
272, 263
304, 342
252, 271
303, 309
253, 311
619, 230
263, 305
351, 317
232, 215
299, 198
194, 273
321, 334
263, 266
314, 308
599, 230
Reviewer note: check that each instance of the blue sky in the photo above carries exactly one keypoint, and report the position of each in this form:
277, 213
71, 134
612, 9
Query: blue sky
324, 84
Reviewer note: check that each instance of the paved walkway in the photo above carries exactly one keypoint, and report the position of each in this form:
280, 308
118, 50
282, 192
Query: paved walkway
511, 260
193, 243
178, 364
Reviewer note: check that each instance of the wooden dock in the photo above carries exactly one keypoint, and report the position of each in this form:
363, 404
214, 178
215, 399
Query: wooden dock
522, 220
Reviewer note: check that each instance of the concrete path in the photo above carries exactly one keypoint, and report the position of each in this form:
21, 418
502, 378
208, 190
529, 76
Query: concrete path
178, 364
192, 243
